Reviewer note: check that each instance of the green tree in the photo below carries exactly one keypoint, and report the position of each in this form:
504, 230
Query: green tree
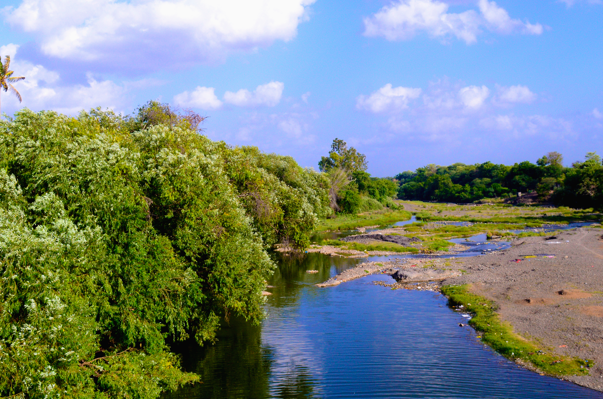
342, 157
7, 78
120, 235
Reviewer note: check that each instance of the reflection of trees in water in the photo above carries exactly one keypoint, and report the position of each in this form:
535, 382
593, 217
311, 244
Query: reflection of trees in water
297, 383
237, 366
290, 276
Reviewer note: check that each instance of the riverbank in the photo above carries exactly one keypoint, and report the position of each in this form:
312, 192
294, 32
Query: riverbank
549, 289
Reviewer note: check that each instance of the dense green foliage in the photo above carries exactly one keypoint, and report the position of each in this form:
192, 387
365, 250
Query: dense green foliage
580, 186
352, 189
119, 235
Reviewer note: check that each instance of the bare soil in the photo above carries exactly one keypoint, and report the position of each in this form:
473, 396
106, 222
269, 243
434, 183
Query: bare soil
555, 301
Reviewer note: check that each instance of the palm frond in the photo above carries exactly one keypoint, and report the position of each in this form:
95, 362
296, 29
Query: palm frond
16, 93
16, 78
7, 63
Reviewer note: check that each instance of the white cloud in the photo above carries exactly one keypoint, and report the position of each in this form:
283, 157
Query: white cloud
515, 94
305, 97
43, 89
498, 20
150, 34
450, 111
597, 114
403, 19
9, 49
264, 95
473, 97
201, 97
388, 98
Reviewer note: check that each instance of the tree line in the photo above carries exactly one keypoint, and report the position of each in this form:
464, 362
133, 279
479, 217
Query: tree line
578, 186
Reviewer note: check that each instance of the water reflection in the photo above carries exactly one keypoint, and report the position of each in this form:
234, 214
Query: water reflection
237, 366
356, 340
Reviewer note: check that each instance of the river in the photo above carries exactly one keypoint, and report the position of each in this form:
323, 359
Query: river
356, 340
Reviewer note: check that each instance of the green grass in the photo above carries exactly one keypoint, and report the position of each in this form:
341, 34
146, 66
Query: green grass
500, 336
376, 218
531, 216
436, 245
385, 246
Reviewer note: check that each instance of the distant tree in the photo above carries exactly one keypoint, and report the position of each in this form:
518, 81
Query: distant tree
154, 113
405, 177
593, 158
344, 158
6, 78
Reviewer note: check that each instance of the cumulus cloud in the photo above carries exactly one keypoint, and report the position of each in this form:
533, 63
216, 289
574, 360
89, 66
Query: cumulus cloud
403, 19
201, 97
498, 20
446, 111
473, 97
388, 98
43, 89
597, 114
150, 34
264, 95
514, 95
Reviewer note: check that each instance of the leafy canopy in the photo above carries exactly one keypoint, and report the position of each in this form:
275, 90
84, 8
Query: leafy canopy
120, 235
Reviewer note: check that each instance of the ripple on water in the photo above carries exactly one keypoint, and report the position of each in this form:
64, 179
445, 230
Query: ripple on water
362, 340
358, 340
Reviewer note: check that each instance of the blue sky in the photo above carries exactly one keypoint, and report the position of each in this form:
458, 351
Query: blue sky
406, 82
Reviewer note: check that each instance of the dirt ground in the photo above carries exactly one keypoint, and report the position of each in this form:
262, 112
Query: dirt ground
555, 301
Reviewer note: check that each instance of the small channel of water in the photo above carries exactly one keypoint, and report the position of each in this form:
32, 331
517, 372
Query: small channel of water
356, 340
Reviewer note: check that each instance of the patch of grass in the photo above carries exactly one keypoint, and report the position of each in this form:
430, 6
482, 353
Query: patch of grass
500, 336
384, 246
376, 218
437, 245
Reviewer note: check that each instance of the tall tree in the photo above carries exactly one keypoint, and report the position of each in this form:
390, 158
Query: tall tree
344, 158
6, 77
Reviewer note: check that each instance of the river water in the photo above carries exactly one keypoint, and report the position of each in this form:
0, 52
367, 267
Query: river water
356, 340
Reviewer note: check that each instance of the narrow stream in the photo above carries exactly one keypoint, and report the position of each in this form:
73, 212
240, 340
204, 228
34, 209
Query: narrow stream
356, 340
